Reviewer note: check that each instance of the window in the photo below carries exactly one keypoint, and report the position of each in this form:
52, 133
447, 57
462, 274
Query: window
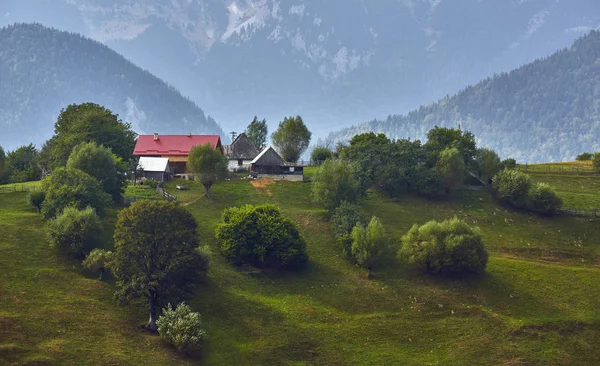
291, 169
240, 162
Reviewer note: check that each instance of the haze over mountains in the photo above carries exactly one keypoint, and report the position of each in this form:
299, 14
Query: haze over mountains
335, 62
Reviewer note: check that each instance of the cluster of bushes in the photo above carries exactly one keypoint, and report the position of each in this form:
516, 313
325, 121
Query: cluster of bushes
515, 188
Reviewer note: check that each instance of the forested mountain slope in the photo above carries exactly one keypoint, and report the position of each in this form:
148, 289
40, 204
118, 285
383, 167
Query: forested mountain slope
43, 70
548, 110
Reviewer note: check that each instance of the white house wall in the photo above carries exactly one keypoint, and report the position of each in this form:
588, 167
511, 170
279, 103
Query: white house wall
233, 164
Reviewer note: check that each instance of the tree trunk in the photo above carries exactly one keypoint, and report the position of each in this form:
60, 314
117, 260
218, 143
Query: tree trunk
369, 273
207, 190
101, 273
152, 315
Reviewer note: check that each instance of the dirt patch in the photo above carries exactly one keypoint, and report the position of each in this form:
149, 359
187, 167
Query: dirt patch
262, 185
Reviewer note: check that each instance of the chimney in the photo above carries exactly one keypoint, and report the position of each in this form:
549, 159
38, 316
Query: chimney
155, 137
189, 134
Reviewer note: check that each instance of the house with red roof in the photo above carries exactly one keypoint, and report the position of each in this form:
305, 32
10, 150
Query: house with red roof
176, 148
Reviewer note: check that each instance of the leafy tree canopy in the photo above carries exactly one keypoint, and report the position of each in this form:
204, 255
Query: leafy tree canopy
451, 167
75, 232
368, 244
440, 139
486, 164
291, 138
208, 165
257, 133
22, 165
335, 182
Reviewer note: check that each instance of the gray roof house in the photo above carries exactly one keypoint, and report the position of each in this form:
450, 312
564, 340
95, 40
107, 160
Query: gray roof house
241, 153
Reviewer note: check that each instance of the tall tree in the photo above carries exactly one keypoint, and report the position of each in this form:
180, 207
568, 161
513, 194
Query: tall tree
440, 138
85, 123
156, 255
257, 133
368, 244
2, 162
22, 164
208, 165
451, 168
335, 182
291, 138
486, 164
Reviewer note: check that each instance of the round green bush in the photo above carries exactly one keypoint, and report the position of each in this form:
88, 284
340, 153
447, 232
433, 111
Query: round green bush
512, 186
36, 199
543, 199
447, 246
181, 327
74, 232
261, 237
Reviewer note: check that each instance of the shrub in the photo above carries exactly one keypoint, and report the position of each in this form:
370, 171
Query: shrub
543, 199
486, 164
447, 246
151, 183
98, 260
512, 186
596, 160
320, 154
72, 187
451, 168
508, 164
74, 232
333, 183
260, 236
368, 244
586, 156
181, 327
36, 199
428, 183
345, 217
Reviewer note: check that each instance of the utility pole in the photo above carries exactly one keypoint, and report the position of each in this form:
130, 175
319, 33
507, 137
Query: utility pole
233, 134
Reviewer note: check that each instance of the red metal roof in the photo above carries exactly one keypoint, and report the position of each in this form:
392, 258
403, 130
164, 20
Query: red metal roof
174, 145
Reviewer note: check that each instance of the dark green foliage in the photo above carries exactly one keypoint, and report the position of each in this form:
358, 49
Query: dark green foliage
509, 163
36, 199
261, 237
151, 183
451, 168
543, 199
257, 133
512, 186
333, 183
440, 139
181, 327
596, 160
208, 165
74, 232
447, 246
72, 187
486, 164
320, 154
98, 260
514, 113
428, 183
100, 163
586, 156
368, 244
22, 165
291, 138
345, 217
156, 254
2, 162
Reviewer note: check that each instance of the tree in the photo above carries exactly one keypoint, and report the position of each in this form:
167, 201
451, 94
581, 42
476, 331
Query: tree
345, 217
156, 254
98, 260
72, 187
291, 138
368, 244
586, 156
596, 161
261, 237
451, 167
439, 139
447, 246
100, 163
181, 327
508, 164
22, 164
89, 122
257, 133
319, 154
512, 186
2, 162
74, 232
486, 164
335, 182
543, 199
208, 165
36, 199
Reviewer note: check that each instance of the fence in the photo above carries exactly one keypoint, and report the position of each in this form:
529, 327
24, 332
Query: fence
166, 195
585, 212
17, 188
558, 168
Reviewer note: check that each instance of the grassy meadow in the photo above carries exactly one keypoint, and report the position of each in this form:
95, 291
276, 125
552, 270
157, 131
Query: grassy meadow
537, 303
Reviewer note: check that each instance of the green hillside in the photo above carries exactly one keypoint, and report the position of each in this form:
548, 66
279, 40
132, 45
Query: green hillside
537, 303
548, 110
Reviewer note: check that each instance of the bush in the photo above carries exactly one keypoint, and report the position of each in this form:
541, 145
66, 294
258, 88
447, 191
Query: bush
345, 217
72, 187
586, 156
447, 246
508, 164
260, 236
151, 183
543, 199
451, 168
98, 260
368, 244
487, 164
36, 199
320, 154
74, 232
181, 327
333, 183
512, 186
596, 160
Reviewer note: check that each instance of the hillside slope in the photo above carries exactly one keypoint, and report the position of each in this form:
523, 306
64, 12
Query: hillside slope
43, 70
548, 110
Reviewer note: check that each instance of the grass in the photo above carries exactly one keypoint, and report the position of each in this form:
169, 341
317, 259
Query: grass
19, 187
577, 191
538, 302
140, 191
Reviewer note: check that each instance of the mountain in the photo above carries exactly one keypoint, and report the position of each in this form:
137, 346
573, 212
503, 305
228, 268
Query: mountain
335, 62
43, 70
548, 110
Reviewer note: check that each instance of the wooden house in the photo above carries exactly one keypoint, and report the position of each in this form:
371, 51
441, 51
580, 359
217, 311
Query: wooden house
157, 169
270, 164
241, 153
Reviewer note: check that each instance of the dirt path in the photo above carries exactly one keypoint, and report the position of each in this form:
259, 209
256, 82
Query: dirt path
262, 185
